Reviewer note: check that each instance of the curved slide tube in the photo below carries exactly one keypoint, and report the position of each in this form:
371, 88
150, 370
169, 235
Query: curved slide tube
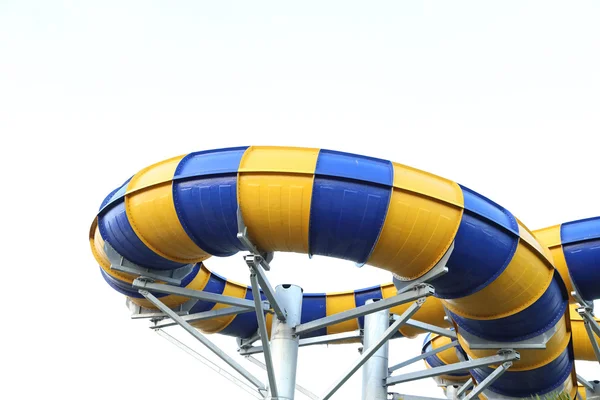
502, 283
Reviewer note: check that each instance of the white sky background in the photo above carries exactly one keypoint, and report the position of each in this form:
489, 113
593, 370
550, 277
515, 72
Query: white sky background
502, 97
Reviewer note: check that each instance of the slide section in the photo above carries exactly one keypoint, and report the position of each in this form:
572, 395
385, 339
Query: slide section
175, 214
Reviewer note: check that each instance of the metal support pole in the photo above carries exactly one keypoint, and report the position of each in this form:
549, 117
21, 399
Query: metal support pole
262, 328
284, 342
299, 388
374, 372
484, 384
202, 339
387, 335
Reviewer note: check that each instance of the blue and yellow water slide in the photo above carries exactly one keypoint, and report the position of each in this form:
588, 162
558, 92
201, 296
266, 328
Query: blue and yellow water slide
504, 283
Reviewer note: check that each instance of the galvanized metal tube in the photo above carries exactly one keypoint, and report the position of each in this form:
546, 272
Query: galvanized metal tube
284, 342
374, 372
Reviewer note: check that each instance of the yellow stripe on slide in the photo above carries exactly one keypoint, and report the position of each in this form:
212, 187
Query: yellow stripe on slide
198, 283
151, 212
447, 356
582, 346
524, 280
216, 325
581, 391
431, 312
531, 240
570, 385
274, 193
422, 219
530, 359
336, 303
550, 238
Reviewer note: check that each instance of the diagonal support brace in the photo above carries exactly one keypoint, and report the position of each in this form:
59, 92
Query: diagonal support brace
423, 356
264, 338
503, 356
484, 384
412, 295
368, 353
462, 390
268, 290
202, 339
202, 316
145, 285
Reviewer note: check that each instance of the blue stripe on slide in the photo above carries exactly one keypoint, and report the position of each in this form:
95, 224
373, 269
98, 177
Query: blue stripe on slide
243, 325
313, 307
115, 229
362, 295
209, 163
533, 321
350, 198
484, 245
577, 231
434, 361
128, 290
346, 218
581, 247
355, 167
215, 284
534, 382
207, 210
114, 195
205, 198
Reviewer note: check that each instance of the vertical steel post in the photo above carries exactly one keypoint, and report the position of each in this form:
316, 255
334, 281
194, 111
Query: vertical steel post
284, 344
375, 370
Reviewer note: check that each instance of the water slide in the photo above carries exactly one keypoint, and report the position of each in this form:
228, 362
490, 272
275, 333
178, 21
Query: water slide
504, 283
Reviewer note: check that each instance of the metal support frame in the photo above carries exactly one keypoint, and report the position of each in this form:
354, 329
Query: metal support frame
281, 351
419, 291
423, 356
202, 339
410, 311
502, 357
325, 339
491, 378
